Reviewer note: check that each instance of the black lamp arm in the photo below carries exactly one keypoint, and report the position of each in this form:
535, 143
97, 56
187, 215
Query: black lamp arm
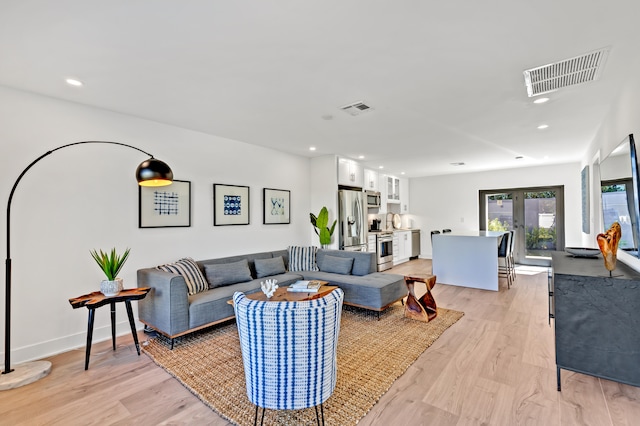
7, 334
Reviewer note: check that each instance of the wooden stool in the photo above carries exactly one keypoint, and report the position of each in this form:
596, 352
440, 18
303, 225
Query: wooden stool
423, 309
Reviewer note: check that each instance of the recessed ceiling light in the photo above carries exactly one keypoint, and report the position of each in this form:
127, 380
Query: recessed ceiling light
74, 82
361, 157
541, 100
401, 173
543, 126
312, 148
381, 167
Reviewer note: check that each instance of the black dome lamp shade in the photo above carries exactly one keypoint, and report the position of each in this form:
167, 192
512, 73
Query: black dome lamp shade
153, 172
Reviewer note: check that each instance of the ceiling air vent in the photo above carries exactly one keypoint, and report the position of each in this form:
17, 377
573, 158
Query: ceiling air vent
356, 108
569, 72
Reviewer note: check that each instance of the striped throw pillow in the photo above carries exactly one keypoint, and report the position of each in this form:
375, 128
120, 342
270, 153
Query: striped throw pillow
187, 268
302, 258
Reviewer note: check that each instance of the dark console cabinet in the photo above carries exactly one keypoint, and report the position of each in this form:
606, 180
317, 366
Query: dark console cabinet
597, 318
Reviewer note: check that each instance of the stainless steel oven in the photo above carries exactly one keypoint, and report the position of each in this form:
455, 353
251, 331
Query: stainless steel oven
384, 250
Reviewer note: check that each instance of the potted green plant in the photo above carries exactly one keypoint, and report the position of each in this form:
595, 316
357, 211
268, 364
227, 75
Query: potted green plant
111, 264
320, 226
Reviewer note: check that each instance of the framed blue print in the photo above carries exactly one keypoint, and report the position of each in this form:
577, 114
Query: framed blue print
230, 205
276, 206
165, 206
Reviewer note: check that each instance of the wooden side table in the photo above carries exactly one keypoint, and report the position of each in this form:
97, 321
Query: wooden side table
423, 308
94, 300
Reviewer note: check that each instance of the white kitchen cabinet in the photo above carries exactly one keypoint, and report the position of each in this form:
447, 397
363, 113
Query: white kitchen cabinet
404, 195
396, 248
382, 179
371, 180
371, 243
350, 173
393, 190
403, 239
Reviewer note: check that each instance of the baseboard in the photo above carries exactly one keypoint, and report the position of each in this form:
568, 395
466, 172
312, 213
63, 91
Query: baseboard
71, 342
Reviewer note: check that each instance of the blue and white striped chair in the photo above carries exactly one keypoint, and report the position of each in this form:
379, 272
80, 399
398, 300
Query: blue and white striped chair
289, 351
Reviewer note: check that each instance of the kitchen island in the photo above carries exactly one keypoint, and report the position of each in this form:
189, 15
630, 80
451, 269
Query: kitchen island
467, 259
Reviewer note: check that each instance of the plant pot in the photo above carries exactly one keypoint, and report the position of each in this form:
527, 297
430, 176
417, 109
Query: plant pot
111, 288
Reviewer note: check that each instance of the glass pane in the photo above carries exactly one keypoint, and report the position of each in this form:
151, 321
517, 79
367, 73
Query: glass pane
540, 223
615, 208
499, 212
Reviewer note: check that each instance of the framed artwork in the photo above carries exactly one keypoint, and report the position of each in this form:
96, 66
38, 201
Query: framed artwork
165, 206
276, 206
230, 205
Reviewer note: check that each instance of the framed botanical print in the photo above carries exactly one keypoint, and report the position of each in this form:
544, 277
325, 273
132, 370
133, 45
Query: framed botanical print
165, 206
230, 205
276, 206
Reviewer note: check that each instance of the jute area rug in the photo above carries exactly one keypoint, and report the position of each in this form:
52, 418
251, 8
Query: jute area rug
372, 354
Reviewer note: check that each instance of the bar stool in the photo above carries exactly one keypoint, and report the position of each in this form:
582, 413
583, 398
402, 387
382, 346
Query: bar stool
504, 253
444, 231
433, 233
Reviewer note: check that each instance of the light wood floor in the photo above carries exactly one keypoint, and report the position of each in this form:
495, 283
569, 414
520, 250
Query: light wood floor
494, 367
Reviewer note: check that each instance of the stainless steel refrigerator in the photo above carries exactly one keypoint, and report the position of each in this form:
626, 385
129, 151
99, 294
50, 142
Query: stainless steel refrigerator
353, 220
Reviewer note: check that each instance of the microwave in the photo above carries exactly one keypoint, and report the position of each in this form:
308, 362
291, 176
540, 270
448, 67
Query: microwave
373, 199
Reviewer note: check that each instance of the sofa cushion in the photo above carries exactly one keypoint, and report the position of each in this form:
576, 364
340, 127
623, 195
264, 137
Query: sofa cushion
189, 270
338, 265
268, 267
364, 263
228, 273
302, 258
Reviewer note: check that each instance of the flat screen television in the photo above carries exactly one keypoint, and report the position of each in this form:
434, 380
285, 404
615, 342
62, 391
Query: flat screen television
620, 189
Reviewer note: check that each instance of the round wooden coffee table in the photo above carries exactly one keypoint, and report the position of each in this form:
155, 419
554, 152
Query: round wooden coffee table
283, 295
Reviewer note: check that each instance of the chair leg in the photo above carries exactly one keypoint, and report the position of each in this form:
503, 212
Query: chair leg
255, 419
321, 414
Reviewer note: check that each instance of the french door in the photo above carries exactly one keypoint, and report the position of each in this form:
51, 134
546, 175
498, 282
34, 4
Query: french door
536, 214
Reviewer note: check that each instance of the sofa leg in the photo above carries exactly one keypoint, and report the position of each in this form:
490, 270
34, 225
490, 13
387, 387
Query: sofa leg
172, 339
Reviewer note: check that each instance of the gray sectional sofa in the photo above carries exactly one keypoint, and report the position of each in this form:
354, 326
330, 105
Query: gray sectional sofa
172, 311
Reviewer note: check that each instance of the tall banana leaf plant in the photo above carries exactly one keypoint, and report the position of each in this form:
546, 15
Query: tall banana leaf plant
320, 226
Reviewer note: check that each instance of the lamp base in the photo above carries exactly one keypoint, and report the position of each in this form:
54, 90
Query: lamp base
25, 373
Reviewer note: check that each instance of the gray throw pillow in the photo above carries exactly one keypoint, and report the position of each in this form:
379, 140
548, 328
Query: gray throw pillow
223, 274
268, 267
338, 265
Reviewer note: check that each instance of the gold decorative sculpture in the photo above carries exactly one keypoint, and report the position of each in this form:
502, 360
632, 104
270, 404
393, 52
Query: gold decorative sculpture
608, 243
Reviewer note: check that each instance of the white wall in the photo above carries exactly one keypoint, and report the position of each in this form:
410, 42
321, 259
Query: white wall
86, 197
623, 119
452, 201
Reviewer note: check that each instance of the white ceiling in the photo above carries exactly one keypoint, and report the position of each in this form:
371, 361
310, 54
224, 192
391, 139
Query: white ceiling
444, 78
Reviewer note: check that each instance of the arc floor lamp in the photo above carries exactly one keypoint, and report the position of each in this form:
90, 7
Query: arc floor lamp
151, 172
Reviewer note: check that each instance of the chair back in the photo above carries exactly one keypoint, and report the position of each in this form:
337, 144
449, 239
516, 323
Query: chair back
505, 244
512, 239
289, 349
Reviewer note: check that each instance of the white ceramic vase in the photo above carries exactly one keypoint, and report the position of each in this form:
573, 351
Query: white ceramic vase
111, 288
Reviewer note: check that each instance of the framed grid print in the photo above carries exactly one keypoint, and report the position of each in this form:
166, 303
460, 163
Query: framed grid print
230, 205
165, 206
276, 206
